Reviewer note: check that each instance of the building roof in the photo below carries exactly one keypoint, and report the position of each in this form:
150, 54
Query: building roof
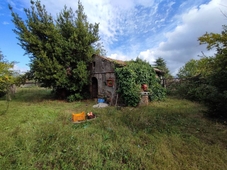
158, 70
120, 62
123, 63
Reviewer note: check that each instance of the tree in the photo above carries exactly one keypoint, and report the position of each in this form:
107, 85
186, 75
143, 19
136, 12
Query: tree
6, 75
193, 76
218, 41
60, 49
161, 64
217, 98
188, 70
202, 67
206, 78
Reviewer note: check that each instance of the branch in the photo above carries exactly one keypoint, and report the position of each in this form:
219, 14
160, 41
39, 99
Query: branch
223, 12
203, 54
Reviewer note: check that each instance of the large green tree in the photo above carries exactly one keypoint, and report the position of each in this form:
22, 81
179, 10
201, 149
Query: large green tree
60, 48
202, 67
193, 76
217, 98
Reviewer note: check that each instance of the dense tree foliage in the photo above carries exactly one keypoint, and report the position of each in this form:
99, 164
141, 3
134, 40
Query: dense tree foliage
217, 98
8, 76
59, 49
205, 80
5, 75
202, 67
160, 63
132, 76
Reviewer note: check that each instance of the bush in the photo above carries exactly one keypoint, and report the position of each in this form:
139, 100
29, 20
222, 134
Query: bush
211, 91
74, 97
132, 76
217, 98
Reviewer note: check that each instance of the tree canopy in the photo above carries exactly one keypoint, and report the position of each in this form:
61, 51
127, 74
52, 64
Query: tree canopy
160, 63
217, 99
59, 48
7, 75
192, 68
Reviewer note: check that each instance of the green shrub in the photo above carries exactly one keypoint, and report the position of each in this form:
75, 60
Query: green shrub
132, 76
217, 97
74, 97
211, 91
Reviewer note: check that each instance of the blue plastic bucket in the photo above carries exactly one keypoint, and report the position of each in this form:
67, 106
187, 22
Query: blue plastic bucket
101, 100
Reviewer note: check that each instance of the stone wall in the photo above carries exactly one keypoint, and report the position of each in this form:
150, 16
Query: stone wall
103, 70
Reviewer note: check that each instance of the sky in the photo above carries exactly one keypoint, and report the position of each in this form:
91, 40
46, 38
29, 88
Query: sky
128, 29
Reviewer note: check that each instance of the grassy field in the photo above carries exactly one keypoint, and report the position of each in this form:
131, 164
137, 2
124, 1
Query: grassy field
37, 133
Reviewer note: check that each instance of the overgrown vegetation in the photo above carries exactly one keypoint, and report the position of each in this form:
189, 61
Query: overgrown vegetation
8, 77
37, 133
5, 75
59, 49
132, 76
205, 80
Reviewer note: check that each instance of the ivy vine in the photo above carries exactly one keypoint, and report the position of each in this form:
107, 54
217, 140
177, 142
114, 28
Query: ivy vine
130, 78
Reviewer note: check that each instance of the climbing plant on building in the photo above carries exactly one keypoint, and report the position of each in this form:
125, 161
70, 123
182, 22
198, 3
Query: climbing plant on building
132, 76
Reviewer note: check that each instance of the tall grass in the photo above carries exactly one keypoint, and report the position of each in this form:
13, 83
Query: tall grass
37, 133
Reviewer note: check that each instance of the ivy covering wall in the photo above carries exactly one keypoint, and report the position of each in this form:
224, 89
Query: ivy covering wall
130, 78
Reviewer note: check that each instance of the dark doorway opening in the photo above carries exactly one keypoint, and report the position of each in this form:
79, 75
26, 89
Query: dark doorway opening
94, 87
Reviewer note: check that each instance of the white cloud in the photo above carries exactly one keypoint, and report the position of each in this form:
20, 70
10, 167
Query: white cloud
116, 18
5, 23
149, 28
20, 69
181, 44
118, 57
147, 55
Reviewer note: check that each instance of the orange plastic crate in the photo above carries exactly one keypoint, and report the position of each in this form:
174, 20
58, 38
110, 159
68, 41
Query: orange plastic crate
78, 116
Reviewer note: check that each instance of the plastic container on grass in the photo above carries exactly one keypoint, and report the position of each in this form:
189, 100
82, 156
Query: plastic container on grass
78, 116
